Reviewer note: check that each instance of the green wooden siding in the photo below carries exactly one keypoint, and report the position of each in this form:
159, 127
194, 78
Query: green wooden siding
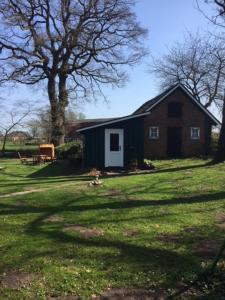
94, 152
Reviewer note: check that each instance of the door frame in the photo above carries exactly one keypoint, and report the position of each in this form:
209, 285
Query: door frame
120, 131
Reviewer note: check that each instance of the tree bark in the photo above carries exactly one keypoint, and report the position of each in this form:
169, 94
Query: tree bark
4, 143
63, 103
57, 128
220, 154
58, 105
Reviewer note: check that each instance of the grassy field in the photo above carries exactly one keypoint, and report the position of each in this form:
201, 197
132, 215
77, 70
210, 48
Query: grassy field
144, 233
15, 147
11, 149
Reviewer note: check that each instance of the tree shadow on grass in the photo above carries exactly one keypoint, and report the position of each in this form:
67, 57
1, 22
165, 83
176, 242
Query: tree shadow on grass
132, 256
66, 168
44, 180
183, 168
157, 171
121, 204
58, 168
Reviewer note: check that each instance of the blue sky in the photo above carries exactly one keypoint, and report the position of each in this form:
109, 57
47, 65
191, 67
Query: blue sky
167, 21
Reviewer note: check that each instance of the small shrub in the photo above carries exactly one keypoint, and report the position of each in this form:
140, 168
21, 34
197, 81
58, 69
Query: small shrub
147, 165
214, 142
72, 151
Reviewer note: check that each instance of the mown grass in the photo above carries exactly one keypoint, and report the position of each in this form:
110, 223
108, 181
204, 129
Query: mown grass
10, 146
170, 211
11, 150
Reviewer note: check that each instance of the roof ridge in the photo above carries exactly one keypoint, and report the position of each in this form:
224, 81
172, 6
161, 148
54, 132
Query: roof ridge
154, 99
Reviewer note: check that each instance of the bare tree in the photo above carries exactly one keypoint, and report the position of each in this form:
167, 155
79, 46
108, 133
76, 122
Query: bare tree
218, 19
40, 125
11, 119
73, 46
198, 63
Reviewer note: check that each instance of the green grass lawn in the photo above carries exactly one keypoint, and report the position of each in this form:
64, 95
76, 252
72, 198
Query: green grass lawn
15, 147
11, 149
146, 231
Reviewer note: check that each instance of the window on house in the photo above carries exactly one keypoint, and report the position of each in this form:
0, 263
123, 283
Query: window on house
114, 142
195, 133
175, 110
154, 133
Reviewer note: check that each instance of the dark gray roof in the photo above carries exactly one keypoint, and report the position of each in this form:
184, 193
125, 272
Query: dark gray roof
80, 121
151, 102
147, 106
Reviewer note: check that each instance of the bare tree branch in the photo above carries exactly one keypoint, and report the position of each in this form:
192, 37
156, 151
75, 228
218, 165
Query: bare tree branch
198, 63
68, 44
12, 118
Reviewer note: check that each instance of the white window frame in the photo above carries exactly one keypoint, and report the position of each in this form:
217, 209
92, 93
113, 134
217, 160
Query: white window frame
154, 136
193, 136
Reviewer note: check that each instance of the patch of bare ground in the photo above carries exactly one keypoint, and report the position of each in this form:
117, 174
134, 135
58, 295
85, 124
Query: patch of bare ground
188, 172
185, 291
84, 231
131, 233
220, 220
22, 193
190, 229
133, 198
171, 238
20, 203
207, 248
63, 298
112, 193
16, 280
220, 217
131, 294
55, 219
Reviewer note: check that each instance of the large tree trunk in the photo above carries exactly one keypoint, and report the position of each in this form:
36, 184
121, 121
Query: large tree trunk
57, 115
220, 154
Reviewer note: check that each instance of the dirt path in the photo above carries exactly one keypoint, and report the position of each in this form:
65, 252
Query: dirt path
22, 193
31, 191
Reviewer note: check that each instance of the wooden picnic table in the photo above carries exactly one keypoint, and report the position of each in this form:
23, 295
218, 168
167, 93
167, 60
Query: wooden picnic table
39, 158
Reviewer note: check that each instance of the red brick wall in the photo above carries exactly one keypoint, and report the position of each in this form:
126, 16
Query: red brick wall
192, 116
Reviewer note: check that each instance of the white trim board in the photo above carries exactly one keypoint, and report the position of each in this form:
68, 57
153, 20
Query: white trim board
114, 121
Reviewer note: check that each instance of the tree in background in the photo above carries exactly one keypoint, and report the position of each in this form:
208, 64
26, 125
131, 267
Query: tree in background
39, 127
72, 116
12, 119
73, 46
199, 64
218, 19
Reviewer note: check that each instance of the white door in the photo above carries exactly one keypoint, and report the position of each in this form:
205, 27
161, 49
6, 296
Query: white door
114, 147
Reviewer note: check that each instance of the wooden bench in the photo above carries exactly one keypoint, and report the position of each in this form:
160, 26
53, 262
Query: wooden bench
25, 160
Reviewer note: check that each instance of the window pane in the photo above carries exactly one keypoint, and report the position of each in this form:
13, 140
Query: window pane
154, 132
195, 133
114, 142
